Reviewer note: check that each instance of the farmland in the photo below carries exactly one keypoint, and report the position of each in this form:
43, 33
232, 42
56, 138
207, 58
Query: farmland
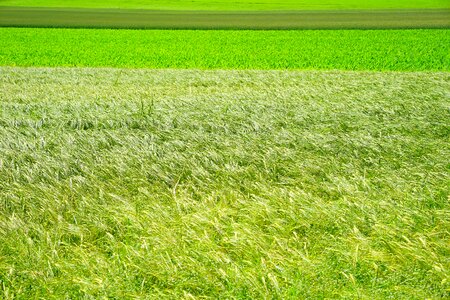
401, 50
246, 184
265, 14
245, 5
168, 19
224, 150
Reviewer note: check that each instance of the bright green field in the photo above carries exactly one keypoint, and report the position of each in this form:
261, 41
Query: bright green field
235, 4
204, 49
133, 184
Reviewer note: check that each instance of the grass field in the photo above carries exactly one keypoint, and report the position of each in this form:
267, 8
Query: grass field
202, 14
168, 19
329, 49
234, 4
223, 184
224, 164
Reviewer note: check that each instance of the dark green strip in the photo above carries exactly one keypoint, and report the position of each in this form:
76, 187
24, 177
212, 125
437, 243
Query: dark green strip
148, 19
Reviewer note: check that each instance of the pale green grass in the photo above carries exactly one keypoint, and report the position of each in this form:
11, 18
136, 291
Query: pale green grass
223, 184
234, 4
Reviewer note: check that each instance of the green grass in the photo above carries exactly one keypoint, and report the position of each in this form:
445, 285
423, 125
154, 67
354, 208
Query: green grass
223, 184
328, 49
168, 19
235, 5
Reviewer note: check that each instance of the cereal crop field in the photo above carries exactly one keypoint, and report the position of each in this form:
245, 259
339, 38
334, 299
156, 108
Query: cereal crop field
224, 164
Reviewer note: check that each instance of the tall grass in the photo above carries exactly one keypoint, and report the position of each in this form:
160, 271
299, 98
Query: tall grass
223, 184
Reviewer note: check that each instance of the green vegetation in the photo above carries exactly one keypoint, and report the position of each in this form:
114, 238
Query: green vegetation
328, 49
235, 4
224, 184
234, 184
167, 19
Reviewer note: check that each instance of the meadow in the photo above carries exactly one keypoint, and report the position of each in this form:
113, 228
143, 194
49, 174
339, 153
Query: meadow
235, 5
172, 184
394, 50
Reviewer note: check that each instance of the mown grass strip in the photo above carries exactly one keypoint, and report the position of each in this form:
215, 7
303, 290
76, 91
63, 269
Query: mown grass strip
405, 50
148, 19
223, 184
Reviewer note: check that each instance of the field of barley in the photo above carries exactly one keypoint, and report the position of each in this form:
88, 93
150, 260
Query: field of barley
224, 164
